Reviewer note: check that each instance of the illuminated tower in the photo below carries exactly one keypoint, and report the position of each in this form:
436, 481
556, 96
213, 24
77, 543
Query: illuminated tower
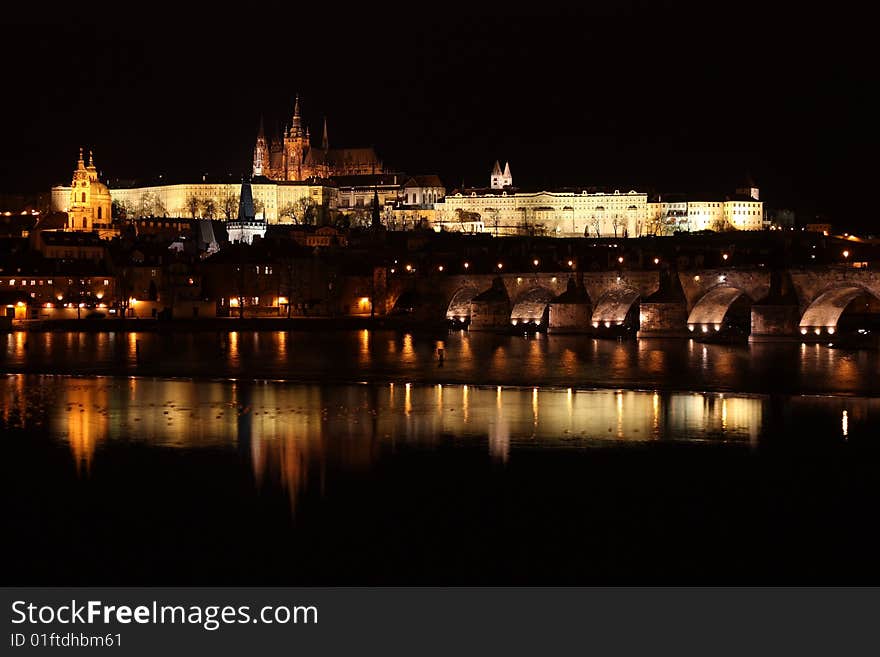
90, 202
496, 180
261, 153
506, 178
325, 143
295, 144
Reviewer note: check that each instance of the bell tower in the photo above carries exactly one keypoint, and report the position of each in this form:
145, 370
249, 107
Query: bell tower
79, 213
294, 146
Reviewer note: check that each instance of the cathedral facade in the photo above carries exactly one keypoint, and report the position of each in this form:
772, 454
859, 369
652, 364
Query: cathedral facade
292, 157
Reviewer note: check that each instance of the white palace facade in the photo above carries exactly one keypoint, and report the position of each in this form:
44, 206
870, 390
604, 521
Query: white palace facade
276, 202
502, 209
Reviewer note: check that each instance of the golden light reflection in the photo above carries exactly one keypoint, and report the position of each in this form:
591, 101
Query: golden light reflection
408, 352
363, 347
844, 424
233, 347
282, 344
619, 405
289, 430
535, 406
464, 403
86, 415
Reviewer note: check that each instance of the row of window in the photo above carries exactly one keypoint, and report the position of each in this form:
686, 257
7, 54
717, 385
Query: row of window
36, 282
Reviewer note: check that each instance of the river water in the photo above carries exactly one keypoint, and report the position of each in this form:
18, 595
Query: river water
186, 459
471, 358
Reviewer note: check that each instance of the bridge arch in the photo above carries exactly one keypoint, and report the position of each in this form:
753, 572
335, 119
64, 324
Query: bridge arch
532, 307
713, 308
459, 307
824, 312
615, 307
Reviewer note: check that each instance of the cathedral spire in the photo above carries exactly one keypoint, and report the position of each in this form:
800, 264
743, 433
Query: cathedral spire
325, 143
295, 125
79, 163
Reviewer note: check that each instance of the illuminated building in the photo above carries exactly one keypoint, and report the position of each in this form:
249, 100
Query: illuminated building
246, 226
89, 207
501, 180
293, 158
276, 202
737, 212
504, 210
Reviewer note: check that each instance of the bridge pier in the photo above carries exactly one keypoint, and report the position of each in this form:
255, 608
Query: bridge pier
570, 312
774, 323
570, 317
663, 319
490, 310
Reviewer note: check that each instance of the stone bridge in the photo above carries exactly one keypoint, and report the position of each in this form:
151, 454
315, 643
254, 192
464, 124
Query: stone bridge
769, 304
517, 299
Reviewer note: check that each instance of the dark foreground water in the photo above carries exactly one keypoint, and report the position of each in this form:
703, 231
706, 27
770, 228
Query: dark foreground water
139, 480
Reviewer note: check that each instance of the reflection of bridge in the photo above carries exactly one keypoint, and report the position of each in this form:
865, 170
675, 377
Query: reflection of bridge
766, 303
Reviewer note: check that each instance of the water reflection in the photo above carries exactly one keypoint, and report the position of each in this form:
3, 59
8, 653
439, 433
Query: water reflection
286, 431
556, 360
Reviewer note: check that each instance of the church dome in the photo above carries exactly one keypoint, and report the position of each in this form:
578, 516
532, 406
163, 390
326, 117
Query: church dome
99, 189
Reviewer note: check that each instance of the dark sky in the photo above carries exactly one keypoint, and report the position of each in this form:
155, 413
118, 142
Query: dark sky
664, 96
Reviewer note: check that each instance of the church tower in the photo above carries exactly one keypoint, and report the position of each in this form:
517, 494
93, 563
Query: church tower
506, 178
261, 153
295, 145
90, 203
496, 180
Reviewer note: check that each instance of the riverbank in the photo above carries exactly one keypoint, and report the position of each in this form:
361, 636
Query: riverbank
226, 324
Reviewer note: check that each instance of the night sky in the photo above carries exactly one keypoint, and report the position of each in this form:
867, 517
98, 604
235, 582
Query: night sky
657, 97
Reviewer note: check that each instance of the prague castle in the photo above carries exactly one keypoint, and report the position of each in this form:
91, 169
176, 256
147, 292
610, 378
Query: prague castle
293, 158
